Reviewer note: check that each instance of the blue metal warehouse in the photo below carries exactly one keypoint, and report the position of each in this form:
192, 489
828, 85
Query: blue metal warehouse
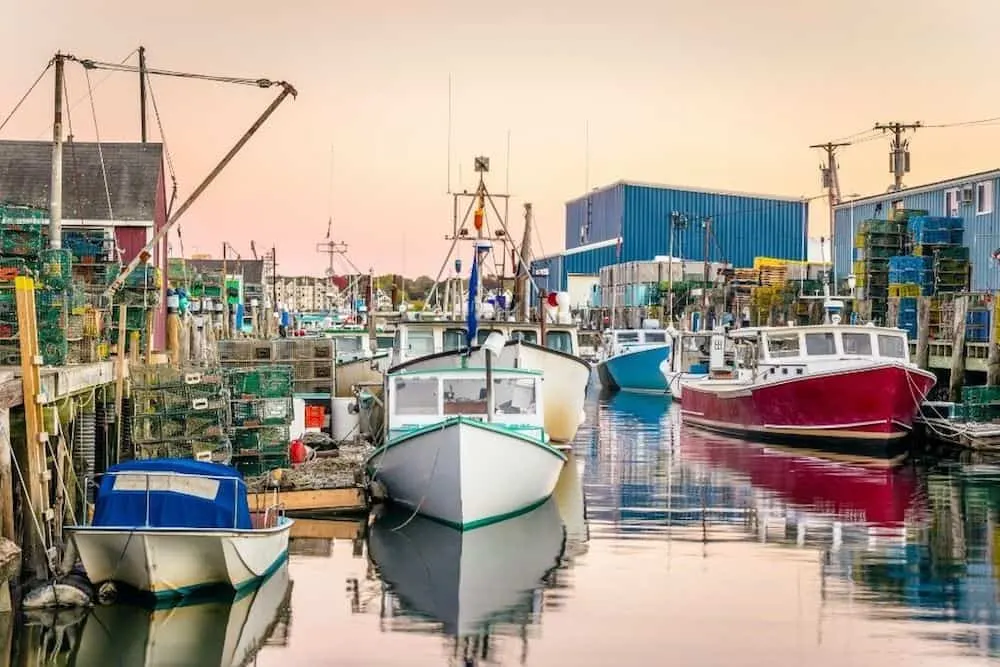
744, 226
971, 198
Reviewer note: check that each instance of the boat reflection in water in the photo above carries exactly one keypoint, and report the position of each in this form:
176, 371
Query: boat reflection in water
211, 633
471, 585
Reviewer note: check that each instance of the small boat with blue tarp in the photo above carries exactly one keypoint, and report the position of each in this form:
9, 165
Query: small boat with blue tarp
175, 527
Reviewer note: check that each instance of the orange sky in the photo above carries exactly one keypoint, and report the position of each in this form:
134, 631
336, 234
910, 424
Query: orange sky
726, 94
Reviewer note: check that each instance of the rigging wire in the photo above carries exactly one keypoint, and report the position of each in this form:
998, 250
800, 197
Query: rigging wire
83, 98
100, 150
26, 95
166, 149
121, 67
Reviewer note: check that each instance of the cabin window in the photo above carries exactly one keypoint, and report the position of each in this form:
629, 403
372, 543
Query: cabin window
348, 344
527, 335
454, 339
416, 396
891, 346
483, 334
559, 340
820, 343
420, 343
465, 396
656, 337
384, 342
628, 336
786, 345
857, 343
514, 396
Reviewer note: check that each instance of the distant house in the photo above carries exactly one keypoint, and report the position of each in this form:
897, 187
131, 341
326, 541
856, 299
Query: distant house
120, 186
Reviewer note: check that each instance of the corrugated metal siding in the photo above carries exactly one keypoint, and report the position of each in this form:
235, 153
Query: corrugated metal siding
605, 218
744, 226
556, 280
590, 261
982, 232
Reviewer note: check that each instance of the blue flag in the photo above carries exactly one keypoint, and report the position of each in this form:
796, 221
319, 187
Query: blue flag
471, 321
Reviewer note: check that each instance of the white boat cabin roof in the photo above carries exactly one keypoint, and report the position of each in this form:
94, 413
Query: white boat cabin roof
423, 337
827, 342
424, 396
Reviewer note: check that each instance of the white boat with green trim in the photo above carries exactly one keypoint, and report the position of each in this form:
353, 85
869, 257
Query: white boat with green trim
466, 446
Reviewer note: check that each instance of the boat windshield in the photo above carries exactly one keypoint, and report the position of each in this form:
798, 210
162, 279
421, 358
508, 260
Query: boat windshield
453, 339
527, 335
859, 344
514, 396
627, 336
419, 343
349, 344
655, 336
891, 346
416, 396
464, 396
561, 341
783, 345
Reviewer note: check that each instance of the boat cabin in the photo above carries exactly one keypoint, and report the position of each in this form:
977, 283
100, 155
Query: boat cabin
421, 398
619, 341
783, 351
420, 338
690, 353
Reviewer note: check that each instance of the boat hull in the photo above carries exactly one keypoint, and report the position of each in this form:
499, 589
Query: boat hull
638, 370
675, 381
176, 563
866, 409
466, 473
564, 390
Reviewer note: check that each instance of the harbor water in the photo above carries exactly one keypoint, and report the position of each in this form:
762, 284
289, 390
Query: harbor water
663, 545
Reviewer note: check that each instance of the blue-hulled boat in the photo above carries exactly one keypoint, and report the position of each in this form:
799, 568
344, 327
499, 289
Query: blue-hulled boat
629, 360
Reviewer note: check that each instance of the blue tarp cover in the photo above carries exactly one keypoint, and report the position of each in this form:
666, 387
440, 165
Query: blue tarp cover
182, 502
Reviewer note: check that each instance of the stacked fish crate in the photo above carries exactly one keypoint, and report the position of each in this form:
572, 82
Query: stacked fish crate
262, 415
179, 414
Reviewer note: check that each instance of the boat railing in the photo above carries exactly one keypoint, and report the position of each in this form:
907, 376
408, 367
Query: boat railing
149, 475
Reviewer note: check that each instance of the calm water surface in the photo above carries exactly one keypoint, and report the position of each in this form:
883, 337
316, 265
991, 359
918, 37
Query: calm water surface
663, 546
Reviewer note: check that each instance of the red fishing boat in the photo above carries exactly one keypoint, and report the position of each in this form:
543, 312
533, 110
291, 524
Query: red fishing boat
836, 385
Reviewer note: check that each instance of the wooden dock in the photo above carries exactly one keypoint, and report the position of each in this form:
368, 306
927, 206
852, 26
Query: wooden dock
350, 500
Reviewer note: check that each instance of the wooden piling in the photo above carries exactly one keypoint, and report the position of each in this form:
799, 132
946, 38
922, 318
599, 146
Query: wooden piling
32, 465
892, 312
993, 358
6, 479
958, 349
923, 332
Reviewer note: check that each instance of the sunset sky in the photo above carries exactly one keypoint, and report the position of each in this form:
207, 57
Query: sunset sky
725, 94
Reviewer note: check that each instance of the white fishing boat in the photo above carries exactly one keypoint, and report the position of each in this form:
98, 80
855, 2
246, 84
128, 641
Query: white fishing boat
216, 632
174, 527
564, 389
484, 581
466, 446
687, 361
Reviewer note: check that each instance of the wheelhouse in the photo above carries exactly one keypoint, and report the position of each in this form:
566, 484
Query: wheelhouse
417, 399
422, 338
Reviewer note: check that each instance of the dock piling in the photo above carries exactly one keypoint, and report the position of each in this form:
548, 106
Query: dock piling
958, 349
923, 332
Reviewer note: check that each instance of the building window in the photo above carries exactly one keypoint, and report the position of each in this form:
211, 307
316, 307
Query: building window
984, 198
951, 202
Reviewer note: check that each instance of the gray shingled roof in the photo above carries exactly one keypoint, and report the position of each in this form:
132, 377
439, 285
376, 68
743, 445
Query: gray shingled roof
253, 269
133, 174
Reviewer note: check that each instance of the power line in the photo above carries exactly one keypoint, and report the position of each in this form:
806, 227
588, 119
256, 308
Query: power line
26, 95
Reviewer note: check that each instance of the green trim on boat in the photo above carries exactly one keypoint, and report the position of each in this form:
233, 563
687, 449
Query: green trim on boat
461, 369
452, 421
490, 520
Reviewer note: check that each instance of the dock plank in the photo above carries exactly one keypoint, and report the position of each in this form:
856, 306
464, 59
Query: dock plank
344, 500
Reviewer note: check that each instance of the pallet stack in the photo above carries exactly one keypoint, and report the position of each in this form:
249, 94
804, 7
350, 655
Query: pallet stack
179, 414
261, 408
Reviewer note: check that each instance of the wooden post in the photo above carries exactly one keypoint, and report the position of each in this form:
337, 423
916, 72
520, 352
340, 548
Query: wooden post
6, 479
33, 465
121, 364
993, 359
958, 349
923, 332
149, 336
892, 312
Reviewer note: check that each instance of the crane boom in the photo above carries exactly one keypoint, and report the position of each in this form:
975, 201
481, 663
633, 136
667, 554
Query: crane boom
286, 90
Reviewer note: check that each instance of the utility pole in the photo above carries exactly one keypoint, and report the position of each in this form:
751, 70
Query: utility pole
142, 93
55, 187
899, 155
333, 248
831, 181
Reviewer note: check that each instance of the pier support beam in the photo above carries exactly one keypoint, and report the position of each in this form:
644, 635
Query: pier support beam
6, 479
958, 349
